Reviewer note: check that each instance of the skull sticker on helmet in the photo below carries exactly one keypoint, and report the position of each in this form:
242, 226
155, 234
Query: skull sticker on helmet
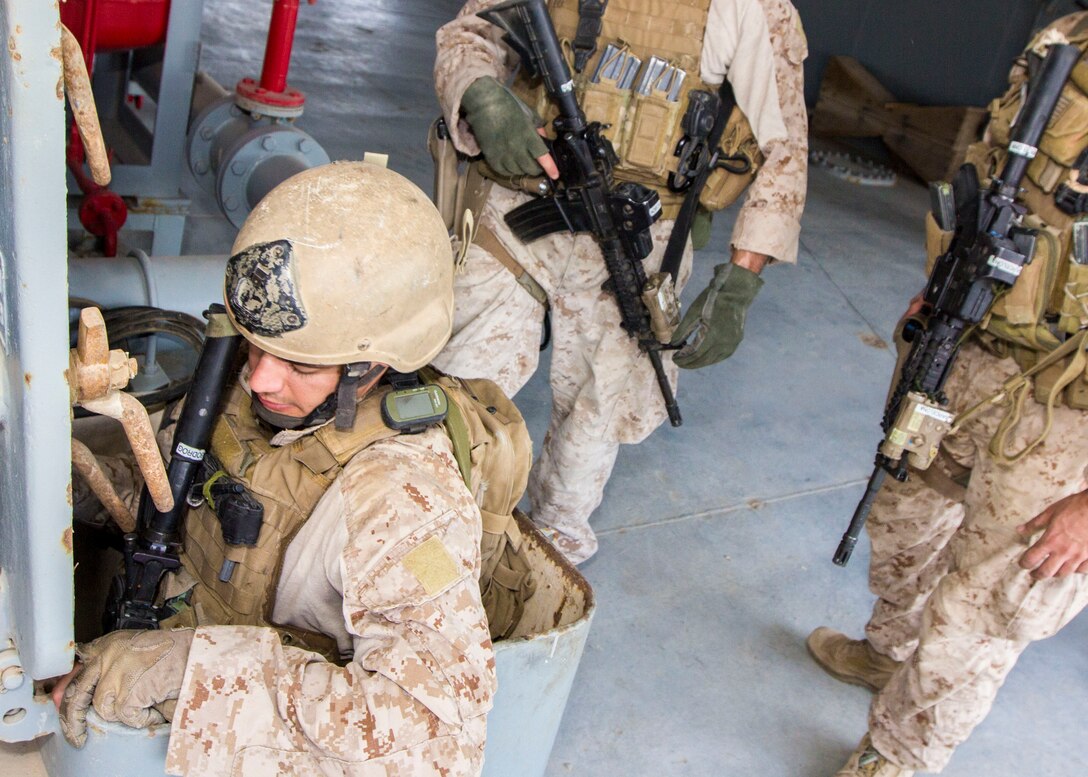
261, 290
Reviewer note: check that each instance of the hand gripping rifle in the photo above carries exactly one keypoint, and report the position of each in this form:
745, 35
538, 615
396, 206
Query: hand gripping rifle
987, 253
586, 198
152, 550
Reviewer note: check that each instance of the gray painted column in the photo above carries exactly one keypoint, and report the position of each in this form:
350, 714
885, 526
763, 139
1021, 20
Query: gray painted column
35, 432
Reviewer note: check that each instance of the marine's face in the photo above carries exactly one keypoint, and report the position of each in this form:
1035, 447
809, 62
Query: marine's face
290, 388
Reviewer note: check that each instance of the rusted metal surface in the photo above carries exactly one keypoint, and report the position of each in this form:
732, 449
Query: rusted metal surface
87, 466
95, 375
94, 370
34, 422
141, 437
80, 98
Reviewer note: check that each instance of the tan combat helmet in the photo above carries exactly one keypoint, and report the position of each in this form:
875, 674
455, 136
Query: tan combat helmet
348, 263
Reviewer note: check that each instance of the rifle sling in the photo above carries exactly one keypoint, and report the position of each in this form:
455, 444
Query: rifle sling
590, 17
1013, 392
674, 250
947, 477
487, 240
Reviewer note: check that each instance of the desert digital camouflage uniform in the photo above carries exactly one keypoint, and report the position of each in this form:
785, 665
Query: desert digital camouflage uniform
604, 391
953, 603
124, 475
414, 696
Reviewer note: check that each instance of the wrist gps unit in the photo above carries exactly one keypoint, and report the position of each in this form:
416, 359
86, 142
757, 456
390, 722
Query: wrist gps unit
411, 410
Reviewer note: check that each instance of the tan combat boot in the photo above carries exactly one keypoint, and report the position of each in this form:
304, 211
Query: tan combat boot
850, 660
867, 761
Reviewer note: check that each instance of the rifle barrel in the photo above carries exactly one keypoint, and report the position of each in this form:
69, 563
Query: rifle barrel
861, 513
671, 407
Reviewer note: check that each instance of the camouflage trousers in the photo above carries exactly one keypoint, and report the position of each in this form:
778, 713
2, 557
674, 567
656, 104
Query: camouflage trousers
953, 604
123, 473
604, 391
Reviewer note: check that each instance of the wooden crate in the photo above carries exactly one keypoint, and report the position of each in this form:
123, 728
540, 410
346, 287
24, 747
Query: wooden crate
931, 140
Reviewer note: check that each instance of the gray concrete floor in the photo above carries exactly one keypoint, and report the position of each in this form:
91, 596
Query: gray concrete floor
716, 538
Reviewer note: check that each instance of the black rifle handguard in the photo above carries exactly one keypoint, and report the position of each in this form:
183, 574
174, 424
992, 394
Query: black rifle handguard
153, 549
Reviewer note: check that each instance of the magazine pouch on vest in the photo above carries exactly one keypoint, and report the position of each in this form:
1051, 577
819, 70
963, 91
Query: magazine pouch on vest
604, 100
637, 84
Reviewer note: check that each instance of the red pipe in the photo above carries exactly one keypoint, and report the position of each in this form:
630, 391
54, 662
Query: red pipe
80, 18
115, 25
104, 25
102, 212
273, 90
277, 52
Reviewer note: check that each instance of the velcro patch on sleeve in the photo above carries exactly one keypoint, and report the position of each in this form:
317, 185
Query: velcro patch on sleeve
432, 565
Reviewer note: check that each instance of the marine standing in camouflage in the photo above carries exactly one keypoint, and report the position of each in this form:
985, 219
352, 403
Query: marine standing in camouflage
966, 580
604, 391
953, 601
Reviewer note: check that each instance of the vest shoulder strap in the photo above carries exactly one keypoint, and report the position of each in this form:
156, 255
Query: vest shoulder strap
369, 428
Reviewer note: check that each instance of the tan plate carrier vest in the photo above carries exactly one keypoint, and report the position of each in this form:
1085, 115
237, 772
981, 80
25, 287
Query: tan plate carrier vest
493, 452
1049, 301
646, 128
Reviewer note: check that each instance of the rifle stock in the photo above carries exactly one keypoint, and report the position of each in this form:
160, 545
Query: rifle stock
986, 256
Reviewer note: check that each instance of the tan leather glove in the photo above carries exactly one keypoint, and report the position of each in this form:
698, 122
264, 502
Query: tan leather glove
129, 676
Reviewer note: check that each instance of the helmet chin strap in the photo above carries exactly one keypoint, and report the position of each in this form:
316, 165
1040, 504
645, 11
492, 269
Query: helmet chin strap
340, 403
355, 374
317, 416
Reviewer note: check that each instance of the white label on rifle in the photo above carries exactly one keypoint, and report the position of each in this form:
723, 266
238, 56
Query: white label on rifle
1004, 265
655, 208
567, 87
1023, 149
941, 415
190, 453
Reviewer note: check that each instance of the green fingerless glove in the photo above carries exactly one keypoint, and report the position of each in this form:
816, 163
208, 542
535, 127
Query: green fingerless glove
716, 317
505, 128
700, 229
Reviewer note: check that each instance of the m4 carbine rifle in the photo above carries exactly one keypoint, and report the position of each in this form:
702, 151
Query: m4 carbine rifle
988, 250
153, 549
586, 199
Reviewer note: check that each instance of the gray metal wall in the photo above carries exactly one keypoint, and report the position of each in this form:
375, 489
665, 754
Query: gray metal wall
932, 52
35, 434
